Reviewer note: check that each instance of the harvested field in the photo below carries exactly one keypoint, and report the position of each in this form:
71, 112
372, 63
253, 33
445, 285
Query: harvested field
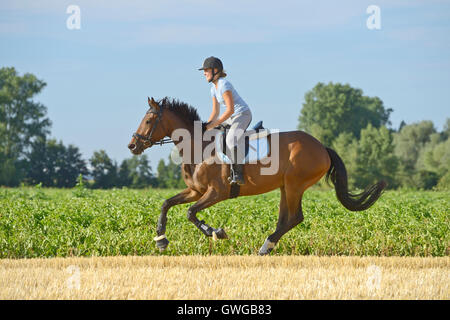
226, 277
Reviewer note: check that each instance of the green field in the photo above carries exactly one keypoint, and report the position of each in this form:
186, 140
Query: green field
36, 222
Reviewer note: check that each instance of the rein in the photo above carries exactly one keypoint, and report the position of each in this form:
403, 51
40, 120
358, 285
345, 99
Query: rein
147, 140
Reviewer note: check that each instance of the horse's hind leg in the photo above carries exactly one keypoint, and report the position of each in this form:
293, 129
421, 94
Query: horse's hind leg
185, 196
209, 198
290, 215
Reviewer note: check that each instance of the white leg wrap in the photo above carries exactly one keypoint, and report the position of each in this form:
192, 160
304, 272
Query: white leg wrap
163, 236
267, 245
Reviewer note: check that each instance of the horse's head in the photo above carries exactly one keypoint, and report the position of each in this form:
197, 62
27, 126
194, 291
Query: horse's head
150, 131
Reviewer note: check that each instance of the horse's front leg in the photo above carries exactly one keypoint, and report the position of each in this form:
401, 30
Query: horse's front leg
209, 198
185, 196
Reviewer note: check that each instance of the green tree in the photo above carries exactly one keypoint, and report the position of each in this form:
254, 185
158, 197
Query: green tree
409, 143
162, 174
22, 121
136, 172
72, 166
411, 139
124, 175
331, 109
444, 182
103, 170
376, 159
434, 161
53, 164
346, 146
370, 158
169, 176
446, 132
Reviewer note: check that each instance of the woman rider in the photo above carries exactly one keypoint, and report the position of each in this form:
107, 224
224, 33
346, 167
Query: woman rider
236, 113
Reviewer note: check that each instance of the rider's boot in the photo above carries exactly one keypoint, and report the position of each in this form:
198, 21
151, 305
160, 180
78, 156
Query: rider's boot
237, 171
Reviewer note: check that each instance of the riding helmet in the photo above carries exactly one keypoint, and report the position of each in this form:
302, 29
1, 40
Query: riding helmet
212, 62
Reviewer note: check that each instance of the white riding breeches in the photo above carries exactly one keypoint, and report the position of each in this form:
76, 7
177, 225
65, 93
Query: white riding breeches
235, 136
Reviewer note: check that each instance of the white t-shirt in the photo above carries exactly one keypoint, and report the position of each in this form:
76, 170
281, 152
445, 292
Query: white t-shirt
224, 85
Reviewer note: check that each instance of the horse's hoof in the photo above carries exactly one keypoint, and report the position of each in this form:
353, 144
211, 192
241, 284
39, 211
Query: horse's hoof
219, 234
162, 244
264, 252
266, 248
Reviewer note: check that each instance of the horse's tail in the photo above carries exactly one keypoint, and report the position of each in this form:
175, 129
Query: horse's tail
353, 202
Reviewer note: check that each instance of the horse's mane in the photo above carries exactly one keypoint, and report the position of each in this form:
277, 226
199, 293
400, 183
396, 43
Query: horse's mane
186, 112
182, 109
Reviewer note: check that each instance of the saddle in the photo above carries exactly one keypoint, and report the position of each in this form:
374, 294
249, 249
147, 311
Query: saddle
256, 145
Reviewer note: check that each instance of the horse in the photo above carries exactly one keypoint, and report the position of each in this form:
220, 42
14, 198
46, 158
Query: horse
303, 161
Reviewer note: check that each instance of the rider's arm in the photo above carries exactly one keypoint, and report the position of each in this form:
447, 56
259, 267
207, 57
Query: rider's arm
215, 111
229, 102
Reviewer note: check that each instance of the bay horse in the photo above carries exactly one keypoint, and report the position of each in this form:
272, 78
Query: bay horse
303, 161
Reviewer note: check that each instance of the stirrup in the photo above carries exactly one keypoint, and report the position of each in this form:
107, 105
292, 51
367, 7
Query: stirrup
232, 178
232, 181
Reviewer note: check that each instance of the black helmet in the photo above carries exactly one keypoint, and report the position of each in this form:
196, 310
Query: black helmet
213, 63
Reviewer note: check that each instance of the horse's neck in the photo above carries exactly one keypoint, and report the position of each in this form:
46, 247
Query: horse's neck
195, 139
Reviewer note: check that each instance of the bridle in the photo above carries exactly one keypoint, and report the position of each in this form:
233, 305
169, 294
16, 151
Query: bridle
147, 140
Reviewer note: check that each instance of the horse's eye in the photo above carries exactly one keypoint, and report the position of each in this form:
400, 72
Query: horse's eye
147, 122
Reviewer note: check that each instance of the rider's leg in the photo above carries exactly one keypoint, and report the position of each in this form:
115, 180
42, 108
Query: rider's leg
237, 167
236, 144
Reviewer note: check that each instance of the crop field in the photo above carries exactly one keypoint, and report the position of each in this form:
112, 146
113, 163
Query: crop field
37, 222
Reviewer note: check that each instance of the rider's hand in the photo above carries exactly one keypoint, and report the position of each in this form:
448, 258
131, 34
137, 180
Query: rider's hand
210, 126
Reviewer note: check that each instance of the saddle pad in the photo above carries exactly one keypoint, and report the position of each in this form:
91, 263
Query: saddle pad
258, 146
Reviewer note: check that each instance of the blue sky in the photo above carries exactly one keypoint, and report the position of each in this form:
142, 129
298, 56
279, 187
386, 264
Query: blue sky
98, 78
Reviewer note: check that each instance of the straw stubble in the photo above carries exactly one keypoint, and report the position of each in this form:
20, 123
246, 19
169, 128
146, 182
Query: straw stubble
226, 277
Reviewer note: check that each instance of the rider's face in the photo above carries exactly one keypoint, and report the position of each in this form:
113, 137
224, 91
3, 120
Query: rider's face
208, 74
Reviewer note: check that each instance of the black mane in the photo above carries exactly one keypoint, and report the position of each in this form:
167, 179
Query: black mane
186, 111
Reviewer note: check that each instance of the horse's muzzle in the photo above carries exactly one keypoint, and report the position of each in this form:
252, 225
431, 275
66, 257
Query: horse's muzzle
134, 148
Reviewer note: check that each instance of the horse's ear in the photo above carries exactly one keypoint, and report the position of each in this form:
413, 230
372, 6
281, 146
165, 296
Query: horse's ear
153, 104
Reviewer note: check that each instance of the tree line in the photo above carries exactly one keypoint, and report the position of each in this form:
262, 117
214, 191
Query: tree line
28, 156
357, 126
414, 156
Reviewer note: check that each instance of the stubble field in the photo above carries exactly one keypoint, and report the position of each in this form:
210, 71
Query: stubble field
226, 277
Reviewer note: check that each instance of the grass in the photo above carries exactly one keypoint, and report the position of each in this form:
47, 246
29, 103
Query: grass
226, 277
37, 222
